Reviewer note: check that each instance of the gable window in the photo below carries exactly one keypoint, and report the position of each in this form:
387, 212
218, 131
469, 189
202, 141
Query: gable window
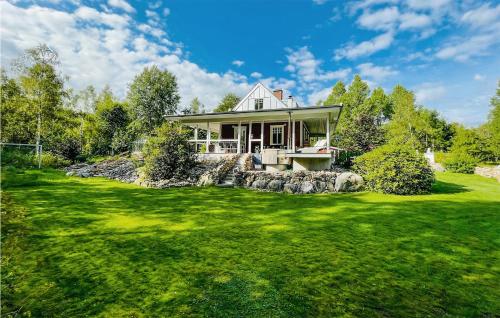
259, 103
277, 136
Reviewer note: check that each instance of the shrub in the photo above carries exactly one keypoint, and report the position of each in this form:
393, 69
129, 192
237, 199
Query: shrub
19, 158
395, 169
461, 162
52, 160
168, 154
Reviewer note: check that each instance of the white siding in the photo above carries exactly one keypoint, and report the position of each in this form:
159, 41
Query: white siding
259, 91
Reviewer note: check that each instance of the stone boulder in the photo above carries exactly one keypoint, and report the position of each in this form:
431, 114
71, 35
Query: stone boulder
348, 182
290, 188
275, 185
307, 187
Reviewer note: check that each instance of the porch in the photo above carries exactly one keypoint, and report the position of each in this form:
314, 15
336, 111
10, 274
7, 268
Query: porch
253, 131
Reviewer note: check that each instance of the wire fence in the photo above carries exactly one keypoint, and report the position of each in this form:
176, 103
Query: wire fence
27, 150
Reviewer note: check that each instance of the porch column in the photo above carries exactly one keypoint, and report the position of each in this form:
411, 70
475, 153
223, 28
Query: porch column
301, 133
293, 135
328, 132
250, 137
196, 138
289, 131
208, 137
238, 151
261, 136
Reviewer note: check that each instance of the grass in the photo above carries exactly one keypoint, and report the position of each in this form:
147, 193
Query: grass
101, 248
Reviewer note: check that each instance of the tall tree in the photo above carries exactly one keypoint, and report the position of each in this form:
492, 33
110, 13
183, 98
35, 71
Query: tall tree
227, 103
42, 85
492, 127
152, 95
378, 104
195, 106
405, 120
335, 97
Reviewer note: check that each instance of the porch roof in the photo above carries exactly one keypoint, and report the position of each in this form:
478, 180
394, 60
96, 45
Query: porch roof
314, 116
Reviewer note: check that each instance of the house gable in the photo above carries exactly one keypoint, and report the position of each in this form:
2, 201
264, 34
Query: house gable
263, 95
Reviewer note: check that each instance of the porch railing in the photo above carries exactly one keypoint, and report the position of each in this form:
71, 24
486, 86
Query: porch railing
216, 146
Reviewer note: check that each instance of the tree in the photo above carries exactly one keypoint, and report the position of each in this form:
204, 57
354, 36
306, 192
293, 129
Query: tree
227, 103
18, 121
107, 131
168, 154
195, 106
469, 141
152, 95
379, 105
491, 130
405, 119
42, 86
335, 97
364, 134
433, 131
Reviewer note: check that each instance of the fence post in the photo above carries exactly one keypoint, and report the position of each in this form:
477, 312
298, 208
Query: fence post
40, 157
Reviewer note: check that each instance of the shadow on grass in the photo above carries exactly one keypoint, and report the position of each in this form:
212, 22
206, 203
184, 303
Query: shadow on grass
441, 187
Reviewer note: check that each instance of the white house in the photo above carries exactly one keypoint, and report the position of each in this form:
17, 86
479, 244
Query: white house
273, 128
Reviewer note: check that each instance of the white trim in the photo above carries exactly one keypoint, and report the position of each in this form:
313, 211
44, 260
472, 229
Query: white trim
328, 133
293, 135
271, 135
301, 133
250, 137
238, 151
244, 99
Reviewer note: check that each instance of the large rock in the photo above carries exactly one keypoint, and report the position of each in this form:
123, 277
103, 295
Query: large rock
307, 187
275, 185
348, 182
290, 188
259, 184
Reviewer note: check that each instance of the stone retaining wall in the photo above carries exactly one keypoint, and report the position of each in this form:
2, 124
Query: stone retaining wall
299, 182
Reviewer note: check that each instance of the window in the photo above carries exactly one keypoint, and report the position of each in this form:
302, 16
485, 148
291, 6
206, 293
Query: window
277, 135
259, 103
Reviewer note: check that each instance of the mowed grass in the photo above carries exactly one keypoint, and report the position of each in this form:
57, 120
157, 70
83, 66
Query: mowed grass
102, 248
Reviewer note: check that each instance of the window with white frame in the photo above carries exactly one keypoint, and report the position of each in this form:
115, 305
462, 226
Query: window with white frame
277, 135
259, 103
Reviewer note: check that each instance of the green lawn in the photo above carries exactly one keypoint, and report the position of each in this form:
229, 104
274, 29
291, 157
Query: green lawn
95, 247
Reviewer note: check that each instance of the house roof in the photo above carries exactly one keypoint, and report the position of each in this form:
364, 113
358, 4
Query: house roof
255, 87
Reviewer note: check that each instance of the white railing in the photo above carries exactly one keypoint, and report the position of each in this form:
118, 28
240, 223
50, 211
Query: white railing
216, 146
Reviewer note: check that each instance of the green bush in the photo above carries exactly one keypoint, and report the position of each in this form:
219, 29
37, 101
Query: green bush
461, 162
396, 169
17, 157
51, 160
168, 154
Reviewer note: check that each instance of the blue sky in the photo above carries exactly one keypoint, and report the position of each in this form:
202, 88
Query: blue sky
445, 51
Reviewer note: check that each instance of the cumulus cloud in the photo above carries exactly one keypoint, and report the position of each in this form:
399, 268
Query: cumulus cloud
464, 49
238, 63
110, 50
365, 48
383, 19
374, 72
483, 16
256, 75
121, 4
304, 66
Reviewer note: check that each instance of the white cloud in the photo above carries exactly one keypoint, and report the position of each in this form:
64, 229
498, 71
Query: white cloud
155, 5
464, 49
377, 73
365, 48
303, 65
427, 4
320, 2
483, 16
319, 95
103, 52
238, 63
256, 75
166, 12
429, 92
414, 21
156, 32
121, 4
383, 19
478, 77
